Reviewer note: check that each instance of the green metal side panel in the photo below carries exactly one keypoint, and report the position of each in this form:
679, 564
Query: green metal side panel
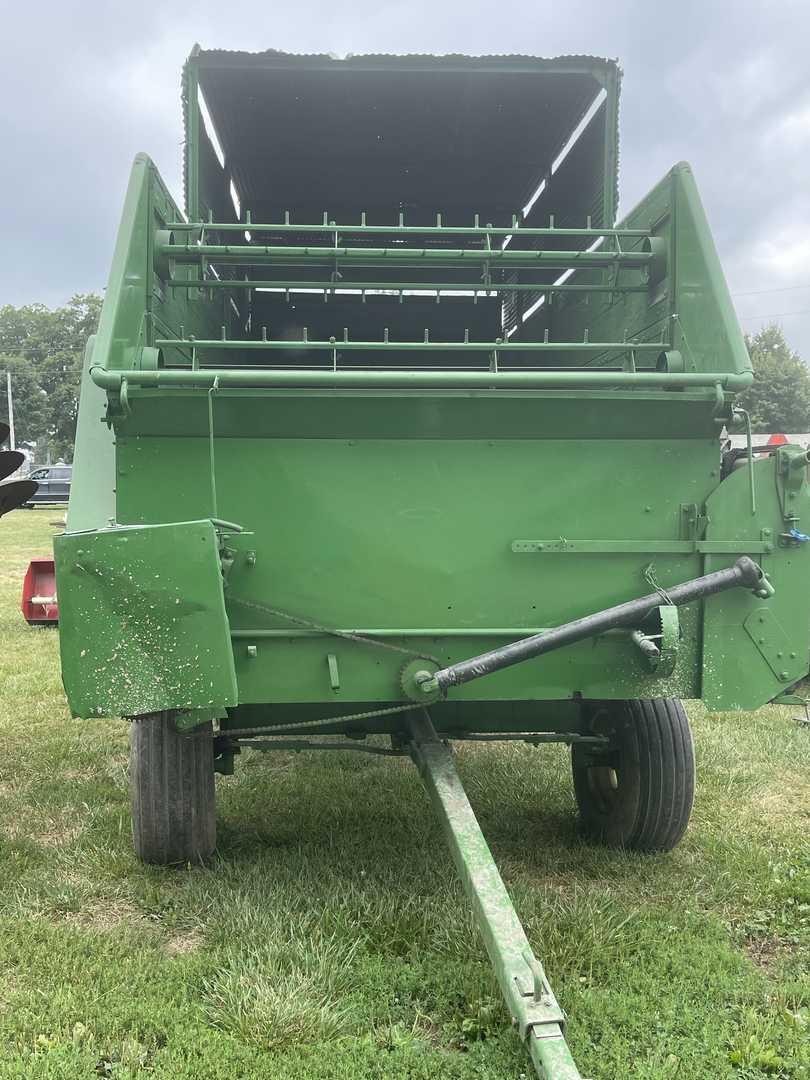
92, 499
688, 306
146, 612
754, 650
418, 533
706, 326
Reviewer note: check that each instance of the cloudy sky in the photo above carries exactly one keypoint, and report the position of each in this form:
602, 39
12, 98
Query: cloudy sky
725, 85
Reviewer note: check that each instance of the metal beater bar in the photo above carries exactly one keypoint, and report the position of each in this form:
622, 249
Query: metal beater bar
348, 287
404, 230
260, 255
528, 996
410, 346
745, 572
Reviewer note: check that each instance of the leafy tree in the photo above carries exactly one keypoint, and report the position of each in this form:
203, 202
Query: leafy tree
43, 350
30, 404
779, 399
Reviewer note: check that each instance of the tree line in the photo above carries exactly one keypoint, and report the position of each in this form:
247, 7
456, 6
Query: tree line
43, 350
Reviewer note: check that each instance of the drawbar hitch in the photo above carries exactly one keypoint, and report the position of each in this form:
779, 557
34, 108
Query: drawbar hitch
534, 1009
745, 572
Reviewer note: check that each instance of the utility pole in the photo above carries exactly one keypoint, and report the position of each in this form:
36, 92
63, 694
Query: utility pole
11, 443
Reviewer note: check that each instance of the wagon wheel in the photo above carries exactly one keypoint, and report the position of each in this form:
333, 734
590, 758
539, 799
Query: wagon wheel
171, 782
638, 792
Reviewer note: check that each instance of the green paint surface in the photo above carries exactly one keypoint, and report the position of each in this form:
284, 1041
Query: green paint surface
393, 505
153, 630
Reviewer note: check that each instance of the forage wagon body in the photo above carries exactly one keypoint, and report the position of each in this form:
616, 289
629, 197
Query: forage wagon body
393, 430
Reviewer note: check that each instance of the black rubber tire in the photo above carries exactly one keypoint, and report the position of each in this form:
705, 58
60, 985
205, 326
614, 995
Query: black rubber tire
171, 783
639, 793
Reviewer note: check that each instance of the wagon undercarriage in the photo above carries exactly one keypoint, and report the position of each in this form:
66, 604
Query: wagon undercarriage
616, 791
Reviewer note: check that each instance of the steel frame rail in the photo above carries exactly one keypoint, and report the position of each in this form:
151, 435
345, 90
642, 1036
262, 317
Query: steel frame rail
347, 287
499, 345
409, 379
524, 986
332, 227
261, 254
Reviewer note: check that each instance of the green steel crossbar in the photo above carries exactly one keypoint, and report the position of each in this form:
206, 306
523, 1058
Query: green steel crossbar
332, 227
260, 254
406, 632
343, 345
643, 547
417, 380
524, 986
348, 287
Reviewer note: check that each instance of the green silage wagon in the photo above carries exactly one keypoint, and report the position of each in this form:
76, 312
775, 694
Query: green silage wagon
392, 430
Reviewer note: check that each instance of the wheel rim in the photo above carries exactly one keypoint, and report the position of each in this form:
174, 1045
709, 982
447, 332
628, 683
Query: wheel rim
604, 784
604, 777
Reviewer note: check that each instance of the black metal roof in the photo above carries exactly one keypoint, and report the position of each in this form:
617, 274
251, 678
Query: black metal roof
442, 133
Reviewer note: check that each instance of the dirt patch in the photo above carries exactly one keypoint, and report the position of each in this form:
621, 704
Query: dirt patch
57, 836
106, 915
46, 831
766, 952
788, 800
181, 944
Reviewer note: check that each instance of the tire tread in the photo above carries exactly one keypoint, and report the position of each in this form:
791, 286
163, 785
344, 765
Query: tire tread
658, 738
171, 791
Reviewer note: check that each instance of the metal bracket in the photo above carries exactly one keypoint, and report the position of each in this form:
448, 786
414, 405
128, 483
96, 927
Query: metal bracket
334, 674
791, 475
539, 1006
693, 522
660, 650
772, 642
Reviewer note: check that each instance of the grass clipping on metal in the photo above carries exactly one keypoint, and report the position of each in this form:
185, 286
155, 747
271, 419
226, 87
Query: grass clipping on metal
330, 940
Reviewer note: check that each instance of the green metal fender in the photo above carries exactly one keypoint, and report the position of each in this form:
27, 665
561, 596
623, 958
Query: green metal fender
154, 632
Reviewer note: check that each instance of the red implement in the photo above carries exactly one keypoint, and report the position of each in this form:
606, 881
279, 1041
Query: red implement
39, 593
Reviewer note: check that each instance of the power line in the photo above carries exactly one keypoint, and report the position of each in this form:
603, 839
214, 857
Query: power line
775, 315
761, 292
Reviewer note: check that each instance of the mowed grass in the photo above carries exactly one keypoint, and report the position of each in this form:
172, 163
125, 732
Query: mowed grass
329, 939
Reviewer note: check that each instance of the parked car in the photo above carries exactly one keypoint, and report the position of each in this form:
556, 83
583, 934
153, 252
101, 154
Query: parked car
54, 485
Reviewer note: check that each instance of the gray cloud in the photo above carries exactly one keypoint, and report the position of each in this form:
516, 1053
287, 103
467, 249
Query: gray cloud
86, 85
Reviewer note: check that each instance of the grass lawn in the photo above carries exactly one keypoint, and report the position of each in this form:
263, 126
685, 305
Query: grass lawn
330, 939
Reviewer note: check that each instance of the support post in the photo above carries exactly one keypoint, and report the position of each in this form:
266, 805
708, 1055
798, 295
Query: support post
528, 996
12, 444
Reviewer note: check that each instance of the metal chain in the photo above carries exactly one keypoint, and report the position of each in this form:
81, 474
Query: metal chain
294, 729
347, 634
